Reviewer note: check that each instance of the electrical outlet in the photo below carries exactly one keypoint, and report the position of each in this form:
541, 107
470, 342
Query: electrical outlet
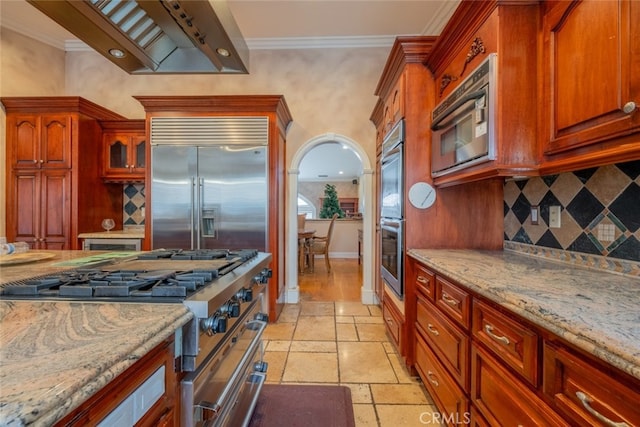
554, 216
142, 212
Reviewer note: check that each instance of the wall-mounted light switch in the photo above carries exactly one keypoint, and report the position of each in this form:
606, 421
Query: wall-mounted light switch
554, 216
535, 214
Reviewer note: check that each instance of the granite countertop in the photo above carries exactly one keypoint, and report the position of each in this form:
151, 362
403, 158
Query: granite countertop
594, 310
61, 260
55, 355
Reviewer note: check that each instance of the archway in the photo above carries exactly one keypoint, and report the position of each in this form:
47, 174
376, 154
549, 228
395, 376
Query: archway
367, 293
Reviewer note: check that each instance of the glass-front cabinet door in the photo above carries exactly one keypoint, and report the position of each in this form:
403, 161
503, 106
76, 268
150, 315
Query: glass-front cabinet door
124, 156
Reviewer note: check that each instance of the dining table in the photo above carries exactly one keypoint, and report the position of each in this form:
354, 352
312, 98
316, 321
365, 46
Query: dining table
305, 238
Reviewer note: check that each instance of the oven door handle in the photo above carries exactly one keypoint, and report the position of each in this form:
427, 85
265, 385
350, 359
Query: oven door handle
238, 371
435, 126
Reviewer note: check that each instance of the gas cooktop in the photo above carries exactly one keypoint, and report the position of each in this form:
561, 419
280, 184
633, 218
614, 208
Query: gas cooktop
165, 275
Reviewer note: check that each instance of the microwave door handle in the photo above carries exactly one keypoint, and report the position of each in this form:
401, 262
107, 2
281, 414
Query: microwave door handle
459, 103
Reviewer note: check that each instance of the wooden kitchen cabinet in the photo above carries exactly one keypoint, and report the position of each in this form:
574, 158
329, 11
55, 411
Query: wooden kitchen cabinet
394, 104
54, 191
502, 399
393, 321
447, 340
152, 382
40, 141
511, 30
591, 83
510, 341
447, 395
124, 151
586, 392
41, 201
517, 373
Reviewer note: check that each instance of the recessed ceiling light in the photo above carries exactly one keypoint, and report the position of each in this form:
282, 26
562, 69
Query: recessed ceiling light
223, 52
341, 172
116, 53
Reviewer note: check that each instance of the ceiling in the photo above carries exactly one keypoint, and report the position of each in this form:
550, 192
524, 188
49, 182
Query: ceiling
288, 24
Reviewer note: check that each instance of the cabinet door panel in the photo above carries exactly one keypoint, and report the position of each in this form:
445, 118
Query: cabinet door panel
511, 341
55, 207
454, 301
586, 393
55, 151
450, 399
592, 73
25, 208
502, 399
26, 134
448, 341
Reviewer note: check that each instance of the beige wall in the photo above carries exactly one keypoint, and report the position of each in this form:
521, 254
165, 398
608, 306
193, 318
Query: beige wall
327, 90
344, 239
27, 68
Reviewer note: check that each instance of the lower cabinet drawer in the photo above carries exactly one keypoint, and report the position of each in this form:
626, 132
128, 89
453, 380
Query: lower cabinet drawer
447, 340
502, 400
393, 321
510, 341
450, 399
585, 393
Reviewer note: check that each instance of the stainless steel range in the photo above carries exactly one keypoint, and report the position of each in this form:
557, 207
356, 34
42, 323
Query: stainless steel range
221, 348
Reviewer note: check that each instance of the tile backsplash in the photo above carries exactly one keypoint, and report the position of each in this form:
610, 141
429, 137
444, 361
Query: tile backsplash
600, 211
133, 204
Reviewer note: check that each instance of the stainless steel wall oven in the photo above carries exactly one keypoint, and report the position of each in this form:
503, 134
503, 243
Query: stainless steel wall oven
392, 209
392, 249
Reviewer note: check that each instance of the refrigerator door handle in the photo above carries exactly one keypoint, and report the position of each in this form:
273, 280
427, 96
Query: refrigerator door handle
199, 232
193, 206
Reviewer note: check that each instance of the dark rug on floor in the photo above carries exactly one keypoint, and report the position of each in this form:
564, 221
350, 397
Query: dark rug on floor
282, 405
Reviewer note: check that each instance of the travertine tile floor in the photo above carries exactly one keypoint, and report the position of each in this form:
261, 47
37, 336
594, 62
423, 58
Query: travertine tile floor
345, 343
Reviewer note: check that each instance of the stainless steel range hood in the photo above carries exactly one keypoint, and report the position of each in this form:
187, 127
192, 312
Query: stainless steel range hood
156, 36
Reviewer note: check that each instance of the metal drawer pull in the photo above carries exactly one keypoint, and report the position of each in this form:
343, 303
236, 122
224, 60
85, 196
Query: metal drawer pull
586, 400
451, 301
433, 330
421, 279
433, 379
489, 330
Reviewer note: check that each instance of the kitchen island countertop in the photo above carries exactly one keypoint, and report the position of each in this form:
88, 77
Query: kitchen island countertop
55, 354
595, 310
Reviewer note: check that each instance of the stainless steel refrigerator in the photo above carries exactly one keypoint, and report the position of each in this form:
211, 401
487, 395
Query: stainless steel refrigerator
209, 184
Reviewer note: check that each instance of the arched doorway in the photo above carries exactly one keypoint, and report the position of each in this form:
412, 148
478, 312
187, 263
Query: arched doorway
368, 295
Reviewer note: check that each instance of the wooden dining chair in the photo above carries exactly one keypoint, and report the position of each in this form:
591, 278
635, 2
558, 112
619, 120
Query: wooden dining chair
320, 246
301, 221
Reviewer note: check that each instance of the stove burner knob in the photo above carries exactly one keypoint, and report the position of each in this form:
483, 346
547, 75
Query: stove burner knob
267, 272
215, 324
233, 308
245, 294
260, 367
263, 317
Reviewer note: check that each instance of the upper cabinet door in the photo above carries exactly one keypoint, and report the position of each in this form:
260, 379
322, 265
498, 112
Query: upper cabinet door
591, 72
40, 141
124, 156
55, 145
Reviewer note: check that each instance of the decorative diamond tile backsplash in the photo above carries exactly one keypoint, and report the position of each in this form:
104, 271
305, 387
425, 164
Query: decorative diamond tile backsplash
133, 201
600, 211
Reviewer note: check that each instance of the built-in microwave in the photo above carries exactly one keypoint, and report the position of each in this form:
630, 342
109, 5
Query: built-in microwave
463, 125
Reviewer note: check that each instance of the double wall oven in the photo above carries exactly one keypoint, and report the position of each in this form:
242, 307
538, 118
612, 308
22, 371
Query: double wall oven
392, 209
